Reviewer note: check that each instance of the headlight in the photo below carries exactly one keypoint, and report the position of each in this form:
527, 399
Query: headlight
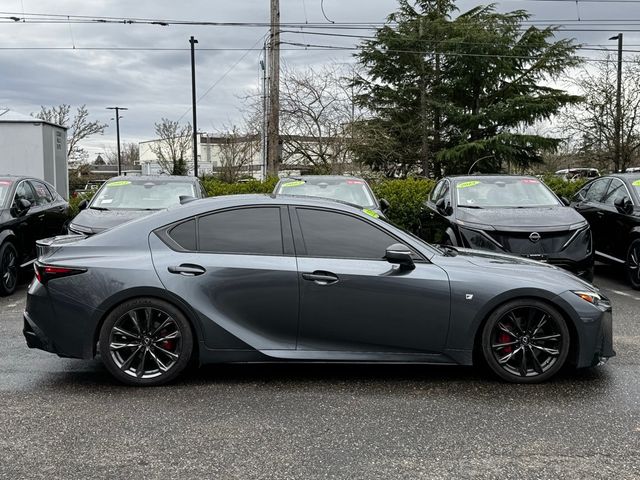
480, 240
80, 230
591, 297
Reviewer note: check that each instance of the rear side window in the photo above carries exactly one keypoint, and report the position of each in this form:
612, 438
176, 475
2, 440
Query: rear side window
335, 235
244, 231
185, 235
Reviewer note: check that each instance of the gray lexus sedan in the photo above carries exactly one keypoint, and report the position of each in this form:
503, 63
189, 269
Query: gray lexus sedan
263, 278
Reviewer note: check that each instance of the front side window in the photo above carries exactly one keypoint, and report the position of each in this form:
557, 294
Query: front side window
617, 191
336, 235
597, 190
253, 231
42, 193
25, 192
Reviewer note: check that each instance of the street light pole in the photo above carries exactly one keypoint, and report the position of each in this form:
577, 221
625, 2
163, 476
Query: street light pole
117, 109
193, 42
618, 120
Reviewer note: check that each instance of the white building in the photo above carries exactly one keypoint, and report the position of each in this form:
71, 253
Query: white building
33, 147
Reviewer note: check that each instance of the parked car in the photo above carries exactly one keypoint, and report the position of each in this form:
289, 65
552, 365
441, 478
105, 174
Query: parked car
125, 198
632, 170
275, 278
30, 209
611, 205
89, 189
509, 214
573, 174
353, 190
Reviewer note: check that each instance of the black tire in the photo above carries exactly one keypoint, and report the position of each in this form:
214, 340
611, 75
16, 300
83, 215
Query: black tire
9, 269
533, 338
633, 264
146, 342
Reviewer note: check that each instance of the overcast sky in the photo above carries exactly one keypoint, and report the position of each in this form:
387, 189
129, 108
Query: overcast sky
155, 84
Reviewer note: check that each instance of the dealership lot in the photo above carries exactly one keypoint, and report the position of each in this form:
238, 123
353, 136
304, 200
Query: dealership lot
68, 419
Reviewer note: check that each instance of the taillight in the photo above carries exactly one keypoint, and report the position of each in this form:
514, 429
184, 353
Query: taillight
44, 273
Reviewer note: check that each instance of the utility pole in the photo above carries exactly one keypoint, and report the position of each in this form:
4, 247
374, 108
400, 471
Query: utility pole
273, 127
117, 109
618, 121
265, 109
193, 42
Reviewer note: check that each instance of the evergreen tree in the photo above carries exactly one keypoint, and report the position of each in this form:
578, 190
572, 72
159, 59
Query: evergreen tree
445, 92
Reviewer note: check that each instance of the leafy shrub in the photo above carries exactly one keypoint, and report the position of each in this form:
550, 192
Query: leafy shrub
75, 201
561, 187
407, 198
216, 188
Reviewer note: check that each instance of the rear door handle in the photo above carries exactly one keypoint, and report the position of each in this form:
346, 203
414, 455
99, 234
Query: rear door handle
321, 278
187, 270
600, 214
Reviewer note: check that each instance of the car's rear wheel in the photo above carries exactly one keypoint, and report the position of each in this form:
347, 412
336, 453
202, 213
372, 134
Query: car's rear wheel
525, 341
633, 264
146, 342
8, 269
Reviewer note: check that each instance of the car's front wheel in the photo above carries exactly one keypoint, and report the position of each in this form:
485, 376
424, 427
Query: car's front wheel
633, 264
525, 341
145, 342
8, 269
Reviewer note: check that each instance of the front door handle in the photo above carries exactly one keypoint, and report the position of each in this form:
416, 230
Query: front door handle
600, 214
187, 270
321, 278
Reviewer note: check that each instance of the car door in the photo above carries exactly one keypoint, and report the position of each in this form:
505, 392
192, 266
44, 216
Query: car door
588, 202
616, 223
352, 300
237, 269
28, 225
51, 215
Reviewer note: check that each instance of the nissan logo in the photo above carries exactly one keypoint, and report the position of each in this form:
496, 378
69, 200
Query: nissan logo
535, 237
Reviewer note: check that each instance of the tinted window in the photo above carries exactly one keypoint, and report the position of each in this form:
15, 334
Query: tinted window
43, 195
185, 235
597, 190
247, 230
334, 235
436, 191
616, 191
25, 192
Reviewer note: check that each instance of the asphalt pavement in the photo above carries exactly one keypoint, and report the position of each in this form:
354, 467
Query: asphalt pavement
63, 418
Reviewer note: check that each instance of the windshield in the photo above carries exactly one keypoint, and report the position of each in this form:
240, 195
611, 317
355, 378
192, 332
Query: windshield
346, 190
141, 194
505, 192
5, 186
636, 185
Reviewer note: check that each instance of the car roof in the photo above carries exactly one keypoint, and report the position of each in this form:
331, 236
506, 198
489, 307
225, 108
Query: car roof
151, 178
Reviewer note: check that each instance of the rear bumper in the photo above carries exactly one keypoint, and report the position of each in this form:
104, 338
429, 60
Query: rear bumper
35, 337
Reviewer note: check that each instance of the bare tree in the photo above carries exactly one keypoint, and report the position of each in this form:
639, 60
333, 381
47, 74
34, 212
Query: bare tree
590, 126
237, 152
172, 147
79, 127
129, 154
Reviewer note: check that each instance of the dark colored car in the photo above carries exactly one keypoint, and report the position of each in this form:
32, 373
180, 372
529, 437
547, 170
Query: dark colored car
611, 205
509, 214
276, 278
352, 190
129, 197
30, 209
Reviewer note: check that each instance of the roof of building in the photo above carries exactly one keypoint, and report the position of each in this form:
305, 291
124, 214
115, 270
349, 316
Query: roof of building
9, 116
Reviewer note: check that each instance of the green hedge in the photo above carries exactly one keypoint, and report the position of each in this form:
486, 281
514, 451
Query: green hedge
216, 188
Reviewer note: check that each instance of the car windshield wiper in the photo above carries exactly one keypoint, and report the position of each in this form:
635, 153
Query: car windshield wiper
102, 209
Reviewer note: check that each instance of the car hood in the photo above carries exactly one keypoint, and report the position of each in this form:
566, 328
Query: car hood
100, 220
548, 218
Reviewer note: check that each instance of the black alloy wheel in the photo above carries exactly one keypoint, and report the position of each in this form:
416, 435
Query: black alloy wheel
8, 269
146, 342
525, 341
633, 264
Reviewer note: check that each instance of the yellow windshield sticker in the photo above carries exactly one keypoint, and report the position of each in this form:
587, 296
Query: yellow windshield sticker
293, 184
371, 213
636, 183
472, 183
119, 183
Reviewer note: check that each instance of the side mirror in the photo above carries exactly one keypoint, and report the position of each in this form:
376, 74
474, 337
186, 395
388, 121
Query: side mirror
83, 204
624, 205
21, 207
400, 254
384, 205
444, 207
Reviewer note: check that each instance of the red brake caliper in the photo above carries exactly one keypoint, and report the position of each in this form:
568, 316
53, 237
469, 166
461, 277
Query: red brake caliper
167, 344
505, 338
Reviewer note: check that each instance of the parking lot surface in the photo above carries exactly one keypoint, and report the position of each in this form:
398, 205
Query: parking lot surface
63, 418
